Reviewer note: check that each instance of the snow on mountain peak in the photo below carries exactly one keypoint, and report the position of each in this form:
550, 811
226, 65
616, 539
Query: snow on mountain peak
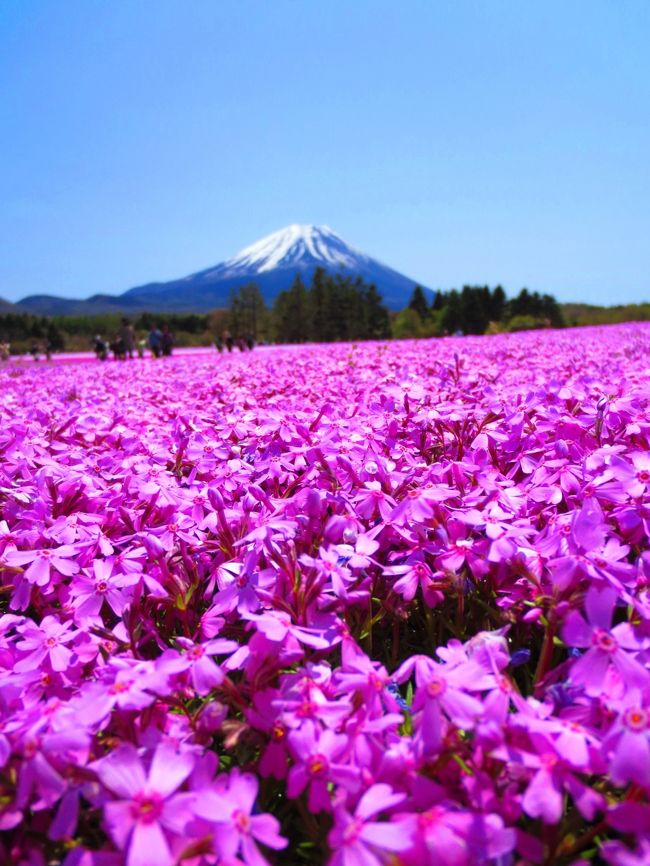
292, 246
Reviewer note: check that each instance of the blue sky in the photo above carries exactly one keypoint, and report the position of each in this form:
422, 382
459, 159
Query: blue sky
458, 141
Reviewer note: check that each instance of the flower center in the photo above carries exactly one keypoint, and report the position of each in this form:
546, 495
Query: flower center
146, 807
195, 652
241, 821
278, 731
306, 710
548, 760
604, 641
30, 748
51, 642
636, 719
436, 687
317, 766
353, 831
430, 817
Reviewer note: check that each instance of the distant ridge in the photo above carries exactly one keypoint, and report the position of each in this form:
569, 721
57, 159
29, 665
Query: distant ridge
271, 262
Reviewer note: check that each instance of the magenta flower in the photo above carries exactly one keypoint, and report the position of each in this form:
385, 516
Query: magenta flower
607, 647
414, 574
447, 836
90, 593
205, 673
237, 831
47, 642
41, 561
443, 692
627, 743
357, 839
320, 762
147, 812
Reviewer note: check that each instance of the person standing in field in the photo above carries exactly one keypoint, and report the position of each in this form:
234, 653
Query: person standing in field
167, 341
155, 341
127, 336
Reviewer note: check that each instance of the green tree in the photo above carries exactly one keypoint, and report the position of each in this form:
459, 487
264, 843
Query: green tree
248, 312
418, 303
318, 305
291, 313
377, 315
407, 323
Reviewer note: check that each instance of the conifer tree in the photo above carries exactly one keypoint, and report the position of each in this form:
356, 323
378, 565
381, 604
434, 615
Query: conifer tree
418, 303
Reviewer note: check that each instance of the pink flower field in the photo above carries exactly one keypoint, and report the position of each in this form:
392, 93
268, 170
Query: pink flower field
351, 605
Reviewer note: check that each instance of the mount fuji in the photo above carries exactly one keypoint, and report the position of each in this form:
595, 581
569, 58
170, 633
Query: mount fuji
272, 263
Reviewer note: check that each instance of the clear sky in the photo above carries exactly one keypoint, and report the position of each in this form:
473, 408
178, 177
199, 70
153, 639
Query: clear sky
457, 142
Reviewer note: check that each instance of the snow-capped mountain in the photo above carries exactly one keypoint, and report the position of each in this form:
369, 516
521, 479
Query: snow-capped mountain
296, 246
271, 262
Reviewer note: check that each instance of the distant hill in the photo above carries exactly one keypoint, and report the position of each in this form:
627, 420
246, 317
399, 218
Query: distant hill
271, 262
590, 314
8, 307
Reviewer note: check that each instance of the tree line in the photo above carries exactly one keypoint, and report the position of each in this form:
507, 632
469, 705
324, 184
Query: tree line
329, 308
476, 310
74, 333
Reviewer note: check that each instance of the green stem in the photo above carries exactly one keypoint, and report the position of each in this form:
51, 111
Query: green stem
546, 654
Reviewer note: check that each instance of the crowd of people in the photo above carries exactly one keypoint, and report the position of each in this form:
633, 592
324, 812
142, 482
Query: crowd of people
160, 342
35, 350
227, 341
124, 344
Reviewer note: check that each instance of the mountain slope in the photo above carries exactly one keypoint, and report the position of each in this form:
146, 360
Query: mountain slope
271, 262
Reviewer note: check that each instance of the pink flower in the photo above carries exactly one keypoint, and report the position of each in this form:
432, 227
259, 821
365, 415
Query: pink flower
47, 642
229, 807
319, 763
606, 646
41, 561
356, 839
146, 812
205, 673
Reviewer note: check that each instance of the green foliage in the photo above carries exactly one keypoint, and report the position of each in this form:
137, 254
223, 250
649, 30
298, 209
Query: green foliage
247, 312
480, 310
23, 330
418, 303
524, 323
588, 314
332, 308
291, 314
407, 324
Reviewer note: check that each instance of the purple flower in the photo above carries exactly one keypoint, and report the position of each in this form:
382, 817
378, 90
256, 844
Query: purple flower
205, 674
627, 742
146, 811
357, 839
319, 756
237, 831
47, 642
607, 647
41, 561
